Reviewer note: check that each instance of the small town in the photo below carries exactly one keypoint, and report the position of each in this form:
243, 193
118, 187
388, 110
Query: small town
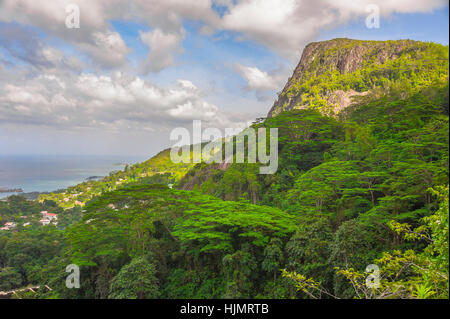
46, 219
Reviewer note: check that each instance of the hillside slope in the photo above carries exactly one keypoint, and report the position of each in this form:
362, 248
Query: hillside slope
369, 186
408, 79
158, 169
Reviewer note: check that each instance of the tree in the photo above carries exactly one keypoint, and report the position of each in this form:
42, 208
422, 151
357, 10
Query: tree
9, 279
308, 250
273, 257
402, 274
136, 280
240, 272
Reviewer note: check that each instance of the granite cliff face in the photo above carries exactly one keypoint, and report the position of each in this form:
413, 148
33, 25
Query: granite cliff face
331, 72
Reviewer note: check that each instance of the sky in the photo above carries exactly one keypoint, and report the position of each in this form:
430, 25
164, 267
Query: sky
134, 70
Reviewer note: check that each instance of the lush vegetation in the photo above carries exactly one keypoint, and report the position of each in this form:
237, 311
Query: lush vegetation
369, 186
158, 169
414, 66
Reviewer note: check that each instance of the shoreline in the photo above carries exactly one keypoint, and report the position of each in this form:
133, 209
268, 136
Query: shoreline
31, 175
12, 190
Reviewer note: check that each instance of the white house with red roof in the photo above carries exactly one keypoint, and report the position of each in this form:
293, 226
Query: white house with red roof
44, 221
48, 216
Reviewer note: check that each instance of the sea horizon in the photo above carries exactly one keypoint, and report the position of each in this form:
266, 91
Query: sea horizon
48, 173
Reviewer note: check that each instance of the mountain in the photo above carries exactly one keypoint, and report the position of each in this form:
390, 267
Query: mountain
328, 78
335, 81
360, 182
331, 73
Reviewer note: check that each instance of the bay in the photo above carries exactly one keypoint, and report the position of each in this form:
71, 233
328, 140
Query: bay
46, 173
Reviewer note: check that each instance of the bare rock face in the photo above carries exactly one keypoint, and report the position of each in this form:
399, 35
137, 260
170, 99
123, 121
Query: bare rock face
343, 99
343, 55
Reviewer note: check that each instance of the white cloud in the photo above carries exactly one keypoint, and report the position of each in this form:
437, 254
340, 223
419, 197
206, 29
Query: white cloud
187, 85
257, 79
107, 47
163, 46
23, 44
192, 110
263, 83
284, 26
95, 35
116, 102
42, 86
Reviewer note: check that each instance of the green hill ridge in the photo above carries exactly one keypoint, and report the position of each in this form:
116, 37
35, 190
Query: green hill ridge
360, 181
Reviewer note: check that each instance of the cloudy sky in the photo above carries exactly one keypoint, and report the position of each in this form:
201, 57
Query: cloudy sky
134, 70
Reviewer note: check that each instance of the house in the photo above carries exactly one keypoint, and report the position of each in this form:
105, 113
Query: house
4, 228
10, 225
44, 221
26, 224
49, 216
77, 202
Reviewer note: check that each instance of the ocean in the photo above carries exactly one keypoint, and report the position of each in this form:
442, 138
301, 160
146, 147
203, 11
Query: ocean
45, 173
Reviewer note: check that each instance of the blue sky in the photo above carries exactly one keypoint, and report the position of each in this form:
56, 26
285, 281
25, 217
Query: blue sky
417, 26
135, 70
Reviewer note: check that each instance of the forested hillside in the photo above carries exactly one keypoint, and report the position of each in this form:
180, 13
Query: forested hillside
358, 183
158, 169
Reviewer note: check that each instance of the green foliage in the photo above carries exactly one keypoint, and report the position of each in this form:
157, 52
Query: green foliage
158, 169
194, 229
350, 190
417, 66
9, 278
135, 280
402, 274
308, 250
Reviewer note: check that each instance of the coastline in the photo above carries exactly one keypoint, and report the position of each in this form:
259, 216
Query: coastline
35, 174
13, 190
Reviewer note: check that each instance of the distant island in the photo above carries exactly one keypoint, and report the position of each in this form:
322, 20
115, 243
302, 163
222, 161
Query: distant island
13, 190
95, 178
120, 164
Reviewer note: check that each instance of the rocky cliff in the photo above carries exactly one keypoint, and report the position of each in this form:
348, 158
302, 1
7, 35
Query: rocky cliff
331, 73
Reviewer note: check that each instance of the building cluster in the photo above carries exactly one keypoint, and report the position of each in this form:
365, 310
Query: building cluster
48, 218
8, 226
